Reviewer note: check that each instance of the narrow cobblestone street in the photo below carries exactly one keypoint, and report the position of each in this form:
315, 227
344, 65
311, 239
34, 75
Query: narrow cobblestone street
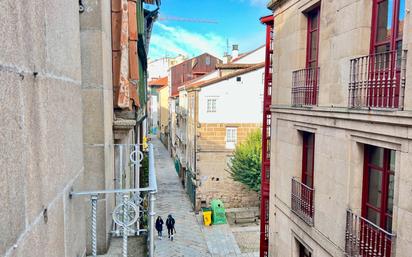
192, 239
171, 199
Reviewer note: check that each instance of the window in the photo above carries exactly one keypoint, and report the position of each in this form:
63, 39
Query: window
231, 138
308, 157
387, 25
238, 79
303, 251
378, 186
211, 105
312, 44
207, 60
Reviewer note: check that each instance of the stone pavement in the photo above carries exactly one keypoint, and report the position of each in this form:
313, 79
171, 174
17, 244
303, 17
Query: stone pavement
189, 240
192, 239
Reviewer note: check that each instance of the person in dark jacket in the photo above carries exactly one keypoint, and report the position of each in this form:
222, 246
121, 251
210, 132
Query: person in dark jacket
159, 227
170, 224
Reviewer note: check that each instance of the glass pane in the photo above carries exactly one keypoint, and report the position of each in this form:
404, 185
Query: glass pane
392, 160
384, 20
314, 16
376, 156
309, 160
398, 54
375, 188
309, 153
383, 48
401, 17
373, 216
388, 224
309, 181
313, 45
391, 186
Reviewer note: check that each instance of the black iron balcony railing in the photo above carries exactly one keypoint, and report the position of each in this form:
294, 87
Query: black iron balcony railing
303, 201
363, 238
378, 80
305, 87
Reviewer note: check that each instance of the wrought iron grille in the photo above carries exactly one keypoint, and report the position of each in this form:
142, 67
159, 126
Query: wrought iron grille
303, 201
305, 86
378, 80
132, 203
363, 238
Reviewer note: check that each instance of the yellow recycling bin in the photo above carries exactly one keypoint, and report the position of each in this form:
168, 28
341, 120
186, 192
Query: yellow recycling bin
207, 216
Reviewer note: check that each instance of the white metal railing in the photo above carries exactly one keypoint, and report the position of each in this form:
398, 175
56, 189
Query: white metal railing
131, 205
363, 238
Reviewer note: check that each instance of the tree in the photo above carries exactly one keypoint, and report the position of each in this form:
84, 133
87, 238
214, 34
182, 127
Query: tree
246, 163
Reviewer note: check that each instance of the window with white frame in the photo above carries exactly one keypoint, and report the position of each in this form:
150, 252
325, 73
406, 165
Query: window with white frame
211, 104
231, 138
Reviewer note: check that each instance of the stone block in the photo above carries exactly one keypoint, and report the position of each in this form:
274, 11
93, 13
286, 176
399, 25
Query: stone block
94, 166
13, 159
91, 18
93, 116
91, 58
44, 238
75, 226
22, 41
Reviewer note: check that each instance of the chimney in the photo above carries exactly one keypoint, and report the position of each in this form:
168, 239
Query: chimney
235, 51
226, 58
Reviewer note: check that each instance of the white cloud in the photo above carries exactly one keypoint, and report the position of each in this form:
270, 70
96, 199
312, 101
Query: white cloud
176, 40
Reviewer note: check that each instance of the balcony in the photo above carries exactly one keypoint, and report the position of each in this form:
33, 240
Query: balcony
133, 214
363, 238
378, 81
302, 201
305, 87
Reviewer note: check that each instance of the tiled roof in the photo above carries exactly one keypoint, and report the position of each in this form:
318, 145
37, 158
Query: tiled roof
234, 65
200, 84
159, 82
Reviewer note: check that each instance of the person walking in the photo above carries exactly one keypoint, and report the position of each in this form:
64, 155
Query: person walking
159, 227
170, 224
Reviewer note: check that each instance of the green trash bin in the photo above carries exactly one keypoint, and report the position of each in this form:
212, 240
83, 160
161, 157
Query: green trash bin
218, 212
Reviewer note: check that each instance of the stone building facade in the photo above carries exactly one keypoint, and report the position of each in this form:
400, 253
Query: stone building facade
212, 122
58, 128
340, 182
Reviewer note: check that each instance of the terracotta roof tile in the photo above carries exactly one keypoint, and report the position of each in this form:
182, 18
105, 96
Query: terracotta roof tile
228, 76
159, 82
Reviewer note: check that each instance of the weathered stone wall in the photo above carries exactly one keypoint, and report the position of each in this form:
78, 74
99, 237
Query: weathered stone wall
340, 133
212, 136
97, 95
41, 143
212, 158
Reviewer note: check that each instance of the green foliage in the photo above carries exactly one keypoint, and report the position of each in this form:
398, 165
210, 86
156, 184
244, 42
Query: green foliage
144, 171
246, 163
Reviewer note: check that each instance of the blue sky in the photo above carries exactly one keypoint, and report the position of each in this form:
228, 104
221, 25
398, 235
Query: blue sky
238, 22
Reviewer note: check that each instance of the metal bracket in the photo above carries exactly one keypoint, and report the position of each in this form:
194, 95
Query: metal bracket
81, 6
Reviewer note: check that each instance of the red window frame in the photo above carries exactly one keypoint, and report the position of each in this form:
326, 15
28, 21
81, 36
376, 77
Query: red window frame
311, 71
308, 146
386, 54
385, 172
391, 40
314, 13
